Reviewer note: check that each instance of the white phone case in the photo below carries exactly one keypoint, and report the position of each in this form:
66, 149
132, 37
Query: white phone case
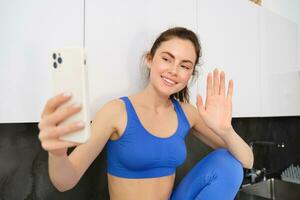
69, 72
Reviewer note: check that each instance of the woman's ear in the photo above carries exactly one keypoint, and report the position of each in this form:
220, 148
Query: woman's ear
148, 60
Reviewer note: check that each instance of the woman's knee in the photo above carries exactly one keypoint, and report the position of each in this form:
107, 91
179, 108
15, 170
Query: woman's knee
217, 171
226, 165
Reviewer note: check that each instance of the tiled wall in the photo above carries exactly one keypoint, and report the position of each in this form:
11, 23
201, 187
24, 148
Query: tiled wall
277, 129
24, 168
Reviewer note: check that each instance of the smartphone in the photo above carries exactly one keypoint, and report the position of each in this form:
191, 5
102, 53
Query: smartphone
69, 73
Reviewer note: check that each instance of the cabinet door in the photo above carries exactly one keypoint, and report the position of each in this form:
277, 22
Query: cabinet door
29, 31
229, 34
118, 33
280, 81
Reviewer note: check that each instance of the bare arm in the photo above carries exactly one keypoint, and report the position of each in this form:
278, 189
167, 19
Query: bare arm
65, 171
201, 131
239, 148
212, 120
61, 172
233, 142
102, 127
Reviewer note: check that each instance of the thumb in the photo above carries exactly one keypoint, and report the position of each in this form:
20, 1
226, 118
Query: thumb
200, 105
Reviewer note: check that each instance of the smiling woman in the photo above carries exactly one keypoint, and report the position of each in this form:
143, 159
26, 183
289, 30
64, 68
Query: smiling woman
176, 47
145, 132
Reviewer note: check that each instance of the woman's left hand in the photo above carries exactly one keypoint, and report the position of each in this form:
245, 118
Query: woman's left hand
217, 112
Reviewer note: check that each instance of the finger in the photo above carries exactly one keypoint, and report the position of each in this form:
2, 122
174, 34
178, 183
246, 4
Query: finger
61, 114
200, 106
230, 89
58, 131
222, 83
54, 102
216, 82
209, 90
51, 145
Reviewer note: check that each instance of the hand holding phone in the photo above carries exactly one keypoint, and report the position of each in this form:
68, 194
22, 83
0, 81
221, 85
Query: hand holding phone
69, 72
50, 132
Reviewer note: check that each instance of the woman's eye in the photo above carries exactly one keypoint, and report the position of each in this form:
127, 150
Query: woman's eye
165, 59
185, 67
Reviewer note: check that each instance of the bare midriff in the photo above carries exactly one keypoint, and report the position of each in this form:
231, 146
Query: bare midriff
159, 188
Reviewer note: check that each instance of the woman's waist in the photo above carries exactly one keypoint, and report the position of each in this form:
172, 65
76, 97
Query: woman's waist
159, 188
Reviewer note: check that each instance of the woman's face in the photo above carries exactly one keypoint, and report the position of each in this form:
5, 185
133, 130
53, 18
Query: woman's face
172, 65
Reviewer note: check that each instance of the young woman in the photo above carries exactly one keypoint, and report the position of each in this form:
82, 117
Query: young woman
145, 132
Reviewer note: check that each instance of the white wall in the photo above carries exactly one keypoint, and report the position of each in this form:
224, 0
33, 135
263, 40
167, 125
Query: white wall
29, 31
117, 34
286, 8
230, 42
289, 9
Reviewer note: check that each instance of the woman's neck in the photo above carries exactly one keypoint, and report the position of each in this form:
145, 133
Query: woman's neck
151, 99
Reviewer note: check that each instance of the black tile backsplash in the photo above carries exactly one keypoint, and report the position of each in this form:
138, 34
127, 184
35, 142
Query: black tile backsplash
24, 168
277, 129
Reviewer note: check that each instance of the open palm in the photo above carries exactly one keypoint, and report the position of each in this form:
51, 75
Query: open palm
217, 112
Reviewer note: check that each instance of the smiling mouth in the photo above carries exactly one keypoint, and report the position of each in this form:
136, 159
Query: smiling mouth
168, 82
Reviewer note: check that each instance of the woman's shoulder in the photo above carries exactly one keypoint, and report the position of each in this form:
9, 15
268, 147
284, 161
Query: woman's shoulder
187, 106
113, 107
190, 111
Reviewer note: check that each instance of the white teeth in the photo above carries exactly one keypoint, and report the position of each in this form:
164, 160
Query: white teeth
169, 81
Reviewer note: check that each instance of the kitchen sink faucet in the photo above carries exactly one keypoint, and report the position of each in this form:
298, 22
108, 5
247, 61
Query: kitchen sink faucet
254, 173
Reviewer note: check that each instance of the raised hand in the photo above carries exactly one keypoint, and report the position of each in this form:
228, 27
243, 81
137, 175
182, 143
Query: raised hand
217, 112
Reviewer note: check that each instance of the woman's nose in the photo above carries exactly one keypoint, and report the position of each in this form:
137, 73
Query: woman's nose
173, 69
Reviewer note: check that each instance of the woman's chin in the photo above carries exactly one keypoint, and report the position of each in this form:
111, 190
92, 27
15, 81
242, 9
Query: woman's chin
167, 92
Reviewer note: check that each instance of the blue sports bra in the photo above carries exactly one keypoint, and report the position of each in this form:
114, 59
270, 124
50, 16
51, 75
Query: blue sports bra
140, 154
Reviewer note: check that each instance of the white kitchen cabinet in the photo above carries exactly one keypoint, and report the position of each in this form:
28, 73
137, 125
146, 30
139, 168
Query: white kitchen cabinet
229, 33
280, 80
256, 48
29, 30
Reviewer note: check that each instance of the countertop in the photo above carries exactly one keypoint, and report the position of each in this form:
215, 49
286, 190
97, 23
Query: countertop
244, 196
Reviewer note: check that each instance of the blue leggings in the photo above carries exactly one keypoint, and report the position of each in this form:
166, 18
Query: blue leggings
217, 176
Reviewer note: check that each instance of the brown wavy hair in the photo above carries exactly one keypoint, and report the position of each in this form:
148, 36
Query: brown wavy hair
185, 34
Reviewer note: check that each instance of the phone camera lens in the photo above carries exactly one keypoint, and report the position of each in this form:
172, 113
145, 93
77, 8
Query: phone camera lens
59, 60
55, 65
54, 56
